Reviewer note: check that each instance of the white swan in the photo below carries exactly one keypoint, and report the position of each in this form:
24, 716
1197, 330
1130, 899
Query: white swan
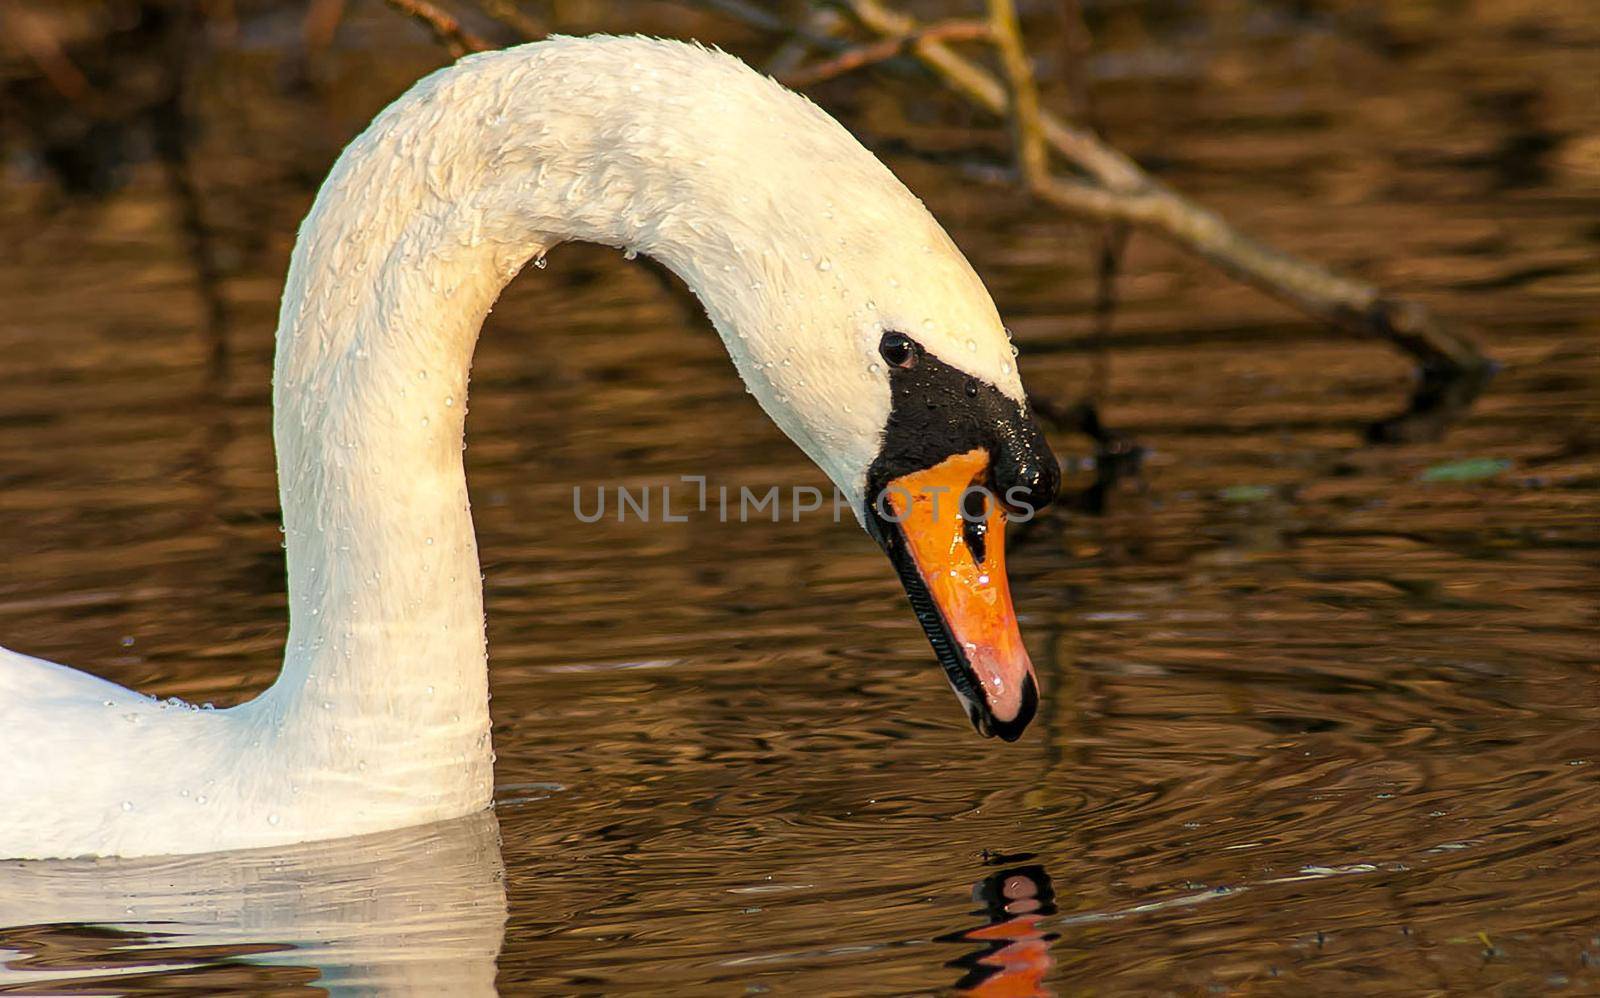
853, 319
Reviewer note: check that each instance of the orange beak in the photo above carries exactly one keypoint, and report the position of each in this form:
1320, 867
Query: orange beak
945, 532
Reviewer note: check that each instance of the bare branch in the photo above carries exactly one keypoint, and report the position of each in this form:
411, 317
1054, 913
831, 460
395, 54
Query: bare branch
1110, 167
1109, 186
1124, 192
862, 56
446, 29
1024, 92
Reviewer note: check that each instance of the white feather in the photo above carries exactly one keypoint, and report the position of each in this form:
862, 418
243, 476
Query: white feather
803, 248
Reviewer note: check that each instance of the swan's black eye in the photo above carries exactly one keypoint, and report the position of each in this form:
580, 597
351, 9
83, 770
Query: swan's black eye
899, 349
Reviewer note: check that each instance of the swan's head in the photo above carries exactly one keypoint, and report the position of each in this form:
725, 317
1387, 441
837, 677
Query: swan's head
867, 336
937, 450
852, 317
957, 458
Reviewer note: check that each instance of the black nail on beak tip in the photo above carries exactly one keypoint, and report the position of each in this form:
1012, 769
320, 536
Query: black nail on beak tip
1011, 730
987, 725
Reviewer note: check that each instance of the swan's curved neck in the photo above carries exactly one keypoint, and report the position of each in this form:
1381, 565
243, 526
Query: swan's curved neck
421, 223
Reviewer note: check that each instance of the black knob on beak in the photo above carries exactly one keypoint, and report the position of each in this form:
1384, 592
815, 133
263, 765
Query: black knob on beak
1026, 472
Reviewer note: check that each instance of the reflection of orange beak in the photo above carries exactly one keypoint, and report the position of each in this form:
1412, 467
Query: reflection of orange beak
1016, 956
949, 546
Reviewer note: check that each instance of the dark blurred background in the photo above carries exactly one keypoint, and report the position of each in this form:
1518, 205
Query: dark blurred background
1267, 647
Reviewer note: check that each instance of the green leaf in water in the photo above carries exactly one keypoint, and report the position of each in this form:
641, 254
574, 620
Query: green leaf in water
1473, 469
1245, 493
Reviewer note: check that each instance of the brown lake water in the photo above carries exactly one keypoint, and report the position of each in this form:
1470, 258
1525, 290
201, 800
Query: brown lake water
1318, 717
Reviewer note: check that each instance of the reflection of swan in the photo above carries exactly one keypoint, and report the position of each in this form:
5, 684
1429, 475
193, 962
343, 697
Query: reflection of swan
1015, 957
855, 322
416, 910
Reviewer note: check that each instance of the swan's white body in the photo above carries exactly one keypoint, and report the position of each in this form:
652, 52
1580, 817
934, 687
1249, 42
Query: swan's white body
802, 247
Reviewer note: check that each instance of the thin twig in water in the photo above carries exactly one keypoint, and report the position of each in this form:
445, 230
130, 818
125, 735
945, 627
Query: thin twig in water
445, 27
1113, 239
